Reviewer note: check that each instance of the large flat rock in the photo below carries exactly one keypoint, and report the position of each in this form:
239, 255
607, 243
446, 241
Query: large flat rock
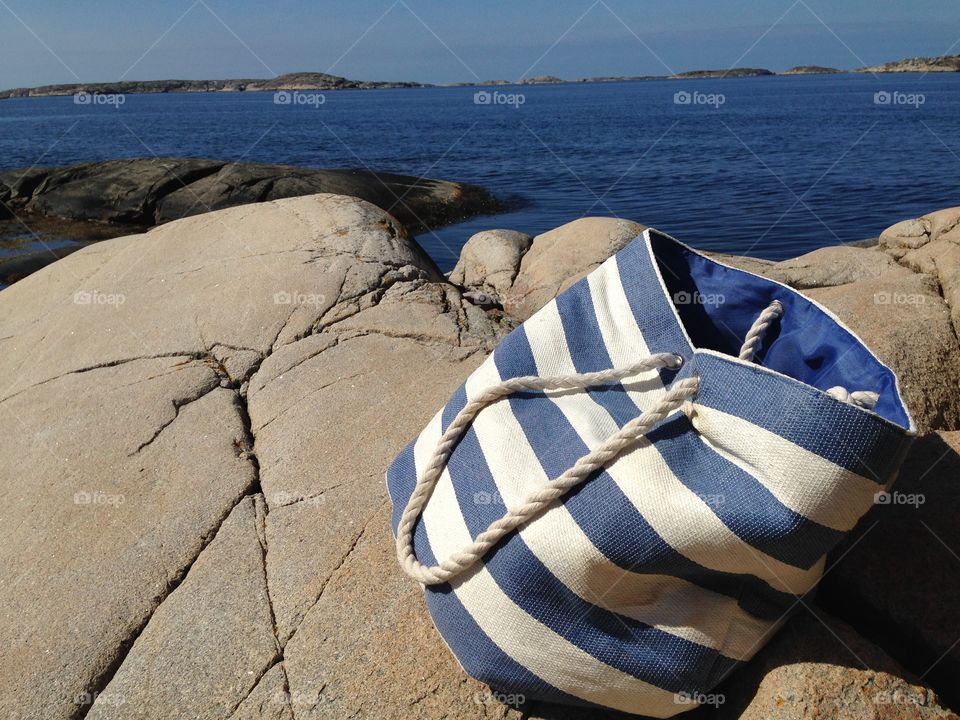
166, 384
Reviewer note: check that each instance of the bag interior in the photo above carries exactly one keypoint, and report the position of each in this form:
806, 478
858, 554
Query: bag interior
807, 344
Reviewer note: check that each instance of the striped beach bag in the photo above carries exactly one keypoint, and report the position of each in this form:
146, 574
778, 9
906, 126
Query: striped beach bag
627, 498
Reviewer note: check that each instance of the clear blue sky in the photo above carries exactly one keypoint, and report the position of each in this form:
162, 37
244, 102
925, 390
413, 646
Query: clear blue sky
440, 41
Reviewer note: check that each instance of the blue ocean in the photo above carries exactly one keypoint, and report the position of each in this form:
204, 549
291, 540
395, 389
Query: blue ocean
766, 166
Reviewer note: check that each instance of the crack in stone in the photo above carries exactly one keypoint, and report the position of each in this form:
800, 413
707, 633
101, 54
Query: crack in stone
274, 661
349, 551
309, 498
283, 326
252, 489
336, 341
277, 657
178, 405
421, 338
302, 398
190, 355
106, 676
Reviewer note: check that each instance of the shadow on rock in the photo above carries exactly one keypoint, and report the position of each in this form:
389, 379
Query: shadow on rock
896, 579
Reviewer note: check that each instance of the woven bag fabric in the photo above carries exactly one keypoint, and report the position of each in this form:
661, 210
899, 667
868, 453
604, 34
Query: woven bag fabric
649, 583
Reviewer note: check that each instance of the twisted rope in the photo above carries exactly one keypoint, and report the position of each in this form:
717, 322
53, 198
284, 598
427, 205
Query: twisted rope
537, 500
862, 398
772, 312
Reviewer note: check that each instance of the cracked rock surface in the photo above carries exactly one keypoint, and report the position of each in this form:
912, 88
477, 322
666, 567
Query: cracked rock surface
215, 629
196, 431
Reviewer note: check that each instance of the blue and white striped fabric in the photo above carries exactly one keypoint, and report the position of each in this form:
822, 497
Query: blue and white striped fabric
646, 585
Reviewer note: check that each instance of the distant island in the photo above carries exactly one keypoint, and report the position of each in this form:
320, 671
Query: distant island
304, 81
729, 72
943, 63
811, 70
315, 81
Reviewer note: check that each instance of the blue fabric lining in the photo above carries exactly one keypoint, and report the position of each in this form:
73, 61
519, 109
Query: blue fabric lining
807, 344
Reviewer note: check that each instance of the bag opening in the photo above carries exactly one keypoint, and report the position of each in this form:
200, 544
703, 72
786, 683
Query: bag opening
717, 304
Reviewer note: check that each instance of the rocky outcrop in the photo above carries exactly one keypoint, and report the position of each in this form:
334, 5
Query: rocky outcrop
811, 70
727, 73
541, 80
942, 63
930, 245
290, 81
490, 260
196, 522
93, 201
149, 191
558, 258
217, 363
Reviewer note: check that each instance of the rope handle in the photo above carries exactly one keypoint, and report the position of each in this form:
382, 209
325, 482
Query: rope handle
538, 499
772, 312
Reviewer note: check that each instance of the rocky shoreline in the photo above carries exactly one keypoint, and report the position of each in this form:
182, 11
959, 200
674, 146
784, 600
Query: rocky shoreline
944, 63
288, 82
94, 201
196, 523
314, 81
811, 70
